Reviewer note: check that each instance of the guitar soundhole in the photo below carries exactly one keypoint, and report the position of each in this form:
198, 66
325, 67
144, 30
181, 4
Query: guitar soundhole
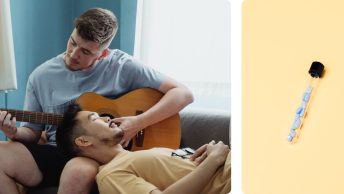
107, 115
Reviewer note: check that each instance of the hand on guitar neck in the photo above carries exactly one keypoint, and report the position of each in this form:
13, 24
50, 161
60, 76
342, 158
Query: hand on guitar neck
8, 125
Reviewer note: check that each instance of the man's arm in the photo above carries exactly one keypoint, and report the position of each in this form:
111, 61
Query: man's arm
22, 134
176, 97
26, 135
194, 182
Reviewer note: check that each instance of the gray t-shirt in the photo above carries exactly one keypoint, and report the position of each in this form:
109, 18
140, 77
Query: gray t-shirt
52, 86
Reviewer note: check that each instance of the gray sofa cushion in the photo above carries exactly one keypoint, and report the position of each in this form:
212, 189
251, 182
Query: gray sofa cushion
201, 126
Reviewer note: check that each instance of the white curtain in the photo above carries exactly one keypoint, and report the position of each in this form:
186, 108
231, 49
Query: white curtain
188, 40
8, 80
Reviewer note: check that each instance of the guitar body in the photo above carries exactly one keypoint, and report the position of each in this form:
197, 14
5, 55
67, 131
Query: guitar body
166, 133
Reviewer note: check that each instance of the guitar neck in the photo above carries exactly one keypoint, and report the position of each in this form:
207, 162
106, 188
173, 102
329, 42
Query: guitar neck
35, 117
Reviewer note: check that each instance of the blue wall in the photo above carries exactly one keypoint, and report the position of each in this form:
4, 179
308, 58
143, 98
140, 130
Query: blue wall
41, 29
127, 25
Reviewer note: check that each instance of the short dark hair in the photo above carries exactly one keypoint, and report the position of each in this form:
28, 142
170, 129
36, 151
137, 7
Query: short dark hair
66, 131
98, 25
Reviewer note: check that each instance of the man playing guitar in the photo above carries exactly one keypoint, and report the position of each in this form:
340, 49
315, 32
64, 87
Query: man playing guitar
86, 65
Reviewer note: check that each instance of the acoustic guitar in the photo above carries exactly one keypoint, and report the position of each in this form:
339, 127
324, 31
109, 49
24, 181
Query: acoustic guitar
166, 133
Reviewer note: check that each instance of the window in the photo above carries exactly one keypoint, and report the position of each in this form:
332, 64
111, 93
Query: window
189, 41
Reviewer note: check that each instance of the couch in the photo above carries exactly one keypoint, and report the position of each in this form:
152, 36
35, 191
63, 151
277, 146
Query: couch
198, 127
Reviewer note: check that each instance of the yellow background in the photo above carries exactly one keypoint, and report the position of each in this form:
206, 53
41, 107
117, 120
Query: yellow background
281, 38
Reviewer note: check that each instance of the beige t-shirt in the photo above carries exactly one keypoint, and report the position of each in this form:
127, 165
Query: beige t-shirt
140, 172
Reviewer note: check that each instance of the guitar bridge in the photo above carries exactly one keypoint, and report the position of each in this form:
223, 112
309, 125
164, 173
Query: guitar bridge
139, 138
140, 135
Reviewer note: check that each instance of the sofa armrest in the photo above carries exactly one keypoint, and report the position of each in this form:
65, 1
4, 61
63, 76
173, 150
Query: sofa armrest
201, 126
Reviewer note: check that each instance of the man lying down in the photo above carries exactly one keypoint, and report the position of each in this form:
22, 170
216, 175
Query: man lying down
153, 171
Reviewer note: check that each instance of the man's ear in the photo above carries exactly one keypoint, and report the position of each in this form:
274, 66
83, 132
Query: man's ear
82, 141
104, 54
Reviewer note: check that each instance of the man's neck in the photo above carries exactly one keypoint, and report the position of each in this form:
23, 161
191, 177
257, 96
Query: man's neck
104, 156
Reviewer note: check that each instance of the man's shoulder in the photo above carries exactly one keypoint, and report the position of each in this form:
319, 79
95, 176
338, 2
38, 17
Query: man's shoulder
115, 165
116, 52
47, 67
119, 57
53, 63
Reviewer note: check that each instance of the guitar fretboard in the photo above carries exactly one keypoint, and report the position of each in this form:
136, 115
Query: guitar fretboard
35, 117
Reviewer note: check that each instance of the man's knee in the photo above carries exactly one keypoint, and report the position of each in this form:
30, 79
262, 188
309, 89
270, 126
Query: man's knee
4, 146
80, 168
13, 156
7, 153
78, 176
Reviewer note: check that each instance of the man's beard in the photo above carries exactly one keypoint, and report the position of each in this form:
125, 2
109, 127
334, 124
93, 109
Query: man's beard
115, 139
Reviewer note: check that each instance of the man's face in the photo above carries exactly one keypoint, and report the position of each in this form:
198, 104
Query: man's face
100, 130
81, 54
